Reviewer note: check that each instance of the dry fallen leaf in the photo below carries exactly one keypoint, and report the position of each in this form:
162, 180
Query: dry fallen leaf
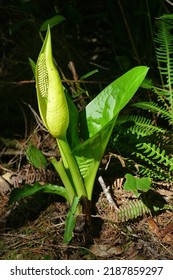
165, 234
153, 227
105, 250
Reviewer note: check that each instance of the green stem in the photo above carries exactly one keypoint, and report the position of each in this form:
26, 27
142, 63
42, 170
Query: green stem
72, 167
59, 167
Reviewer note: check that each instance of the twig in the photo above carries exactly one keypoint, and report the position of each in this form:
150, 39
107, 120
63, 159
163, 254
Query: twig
36, 116
107, 192
20, 83
169, 2
120, 158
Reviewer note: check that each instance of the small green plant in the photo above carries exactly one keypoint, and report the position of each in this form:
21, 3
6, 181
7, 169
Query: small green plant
81, 136
141, 199
145, 200
134, 207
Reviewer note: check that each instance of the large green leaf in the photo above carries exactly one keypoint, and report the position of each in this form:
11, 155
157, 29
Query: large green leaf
106, 106
98, 120
29, 190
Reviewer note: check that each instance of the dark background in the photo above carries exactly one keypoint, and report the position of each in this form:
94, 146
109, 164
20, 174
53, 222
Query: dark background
111, 36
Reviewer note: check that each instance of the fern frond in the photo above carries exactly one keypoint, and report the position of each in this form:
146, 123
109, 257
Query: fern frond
131, 210
148, 172
155, 108
152, 151
162, 97
141, 126
164, 51
153, 171
136, 208
160, 164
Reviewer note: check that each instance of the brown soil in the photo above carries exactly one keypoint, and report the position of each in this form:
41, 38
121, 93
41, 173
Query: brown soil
34, 227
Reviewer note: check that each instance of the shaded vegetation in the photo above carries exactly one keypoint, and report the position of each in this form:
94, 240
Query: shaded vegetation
109, 38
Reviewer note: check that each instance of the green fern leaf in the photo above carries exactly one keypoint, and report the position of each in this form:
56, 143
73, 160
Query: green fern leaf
132, 210
155, 108
157, 160
164, 50
140, 126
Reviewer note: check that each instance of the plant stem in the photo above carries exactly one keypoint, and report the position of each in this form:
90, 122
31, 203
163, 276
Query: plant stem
72, 167
59, 167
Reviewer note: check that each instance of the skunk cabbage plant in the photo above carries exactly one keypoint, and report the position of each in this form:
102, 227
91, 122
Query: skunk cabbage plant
82, 137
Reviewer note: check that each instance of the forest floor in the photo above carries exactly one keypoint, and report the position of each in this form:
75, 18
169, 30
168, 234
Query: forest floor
33, 228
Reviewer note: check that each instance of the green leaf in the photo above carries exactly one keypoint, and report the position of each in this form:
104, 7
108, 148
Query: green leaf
107, 105
52, 22
130, 184
28, 190
89, 74
33, 65
134, 184
88, 156
62, 172
98, 120
72, 131
71, 220
166, 16
36, 157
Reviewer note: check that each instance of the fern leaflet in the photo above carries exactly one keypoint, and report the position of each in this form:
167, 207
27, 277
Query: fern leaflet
141, 126
161, 164
155, 108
